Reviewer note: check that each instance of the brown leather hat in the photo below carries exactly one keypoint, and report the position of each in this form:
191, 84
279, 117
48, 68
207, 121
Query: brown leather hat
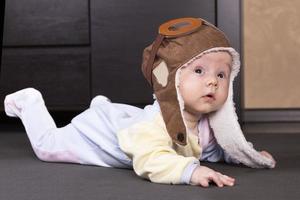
178, 43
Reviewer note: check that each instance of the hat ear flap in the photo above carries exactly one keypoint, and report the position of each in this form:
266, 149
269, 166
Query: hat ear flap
161, 73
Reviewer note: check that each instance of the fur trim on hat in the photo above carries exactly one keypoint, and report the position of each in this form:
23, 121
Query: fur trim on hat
224, 122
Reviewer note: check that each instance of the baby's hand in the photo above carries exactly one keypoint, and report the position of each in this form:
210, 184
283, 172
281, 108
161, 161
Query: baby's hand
203, 176
268, 155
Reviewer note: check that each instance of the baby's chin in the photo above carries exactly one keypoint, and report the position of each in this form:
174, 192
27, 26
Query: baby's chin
198, 112
204, 110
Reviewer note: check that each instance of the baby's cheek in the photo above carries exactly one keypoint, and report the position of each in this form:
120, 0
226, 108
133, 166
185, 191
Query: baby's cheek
222, 97
186, 89
224, 93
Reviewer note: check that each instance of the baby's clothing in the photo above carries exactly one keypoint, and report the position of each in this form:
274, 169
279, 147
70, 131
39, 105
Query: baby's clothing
115, 135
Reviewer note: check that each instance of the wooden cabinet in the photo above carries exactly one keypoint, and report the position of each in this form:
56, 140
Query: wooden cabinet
47, 46
44, 22
61, 74
73, 50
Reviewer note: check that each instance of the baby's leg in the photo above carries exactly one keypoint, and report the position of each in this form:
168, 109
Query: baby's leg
50, 143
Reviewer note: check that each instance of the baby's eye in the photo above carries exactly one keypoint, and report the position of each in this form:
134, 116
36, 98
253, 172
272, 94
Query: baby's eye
221, 75
199, 71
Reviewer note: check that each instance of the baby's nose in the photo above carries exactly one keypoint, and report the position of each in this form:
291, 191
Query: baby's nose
212, 81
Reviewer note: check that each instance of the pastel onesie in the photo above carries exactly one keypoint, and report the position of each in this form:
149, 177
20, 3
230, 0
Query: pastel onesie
114, 135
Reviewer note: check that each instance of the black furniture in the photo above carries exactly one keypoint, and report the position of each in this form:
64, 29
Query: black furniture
73, 50
2, 6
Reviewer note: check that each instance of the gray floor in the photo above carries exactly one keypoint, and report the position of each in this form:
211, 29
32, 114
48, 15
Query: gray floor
23, 176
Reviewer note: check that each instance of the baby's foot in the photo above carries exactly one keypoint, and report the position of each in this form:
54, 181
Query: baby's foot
99, 100
14, 103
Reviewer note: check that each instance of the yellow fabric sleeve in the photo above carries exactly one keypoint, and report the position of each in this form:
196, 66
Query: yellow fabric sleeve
150, 147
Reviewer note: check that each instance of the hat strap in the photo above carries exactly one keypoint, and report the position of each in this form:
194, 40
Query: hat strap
149, 66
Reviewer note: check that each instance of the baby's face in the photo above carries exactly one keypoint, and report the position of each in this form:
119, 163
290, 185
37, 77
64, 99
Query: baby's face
204, 83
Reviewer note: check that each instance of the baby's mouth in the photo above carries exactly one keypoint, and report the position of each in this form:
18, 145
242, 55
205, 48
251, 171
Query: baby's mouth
210, 97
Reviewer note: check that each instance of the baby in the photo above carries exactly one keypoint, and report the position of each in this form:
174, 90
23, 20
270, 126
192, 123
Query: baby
191, 68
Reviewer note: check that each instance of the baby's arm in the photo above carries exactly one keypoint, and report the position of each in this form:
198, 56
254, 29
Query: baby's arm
154, 158
214, 153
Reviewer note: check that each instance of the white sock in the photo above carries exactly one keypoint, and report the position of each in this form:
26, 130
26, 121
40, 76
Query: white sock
29, 106
14, 103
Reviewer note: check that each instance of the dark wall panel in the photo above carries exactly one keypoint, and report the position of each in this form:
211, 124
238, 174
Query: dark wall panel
229, 21
44, 22
62, 75
120, 30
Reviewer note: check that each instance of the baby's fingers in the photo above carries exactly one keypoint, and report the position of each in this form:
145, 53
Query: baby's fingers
204, 183
266, 154
216, 178
226, 180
